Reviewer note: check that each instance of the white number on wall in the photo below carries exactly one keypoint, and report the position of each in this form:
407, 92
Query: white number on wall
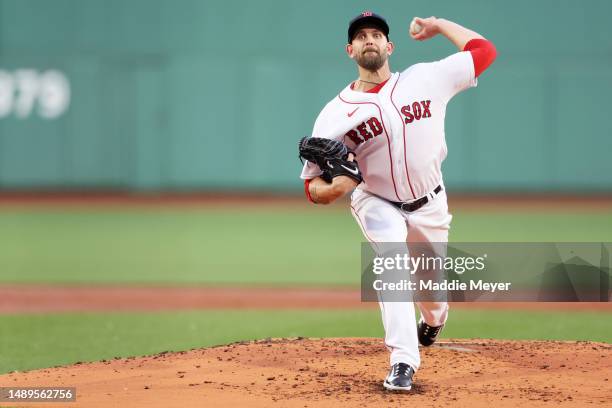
26, 92
7, 89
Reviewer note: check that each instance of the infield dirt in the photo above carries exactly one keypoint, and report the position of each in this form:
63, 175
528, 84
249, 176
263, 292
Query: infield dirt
27, 298
341, 372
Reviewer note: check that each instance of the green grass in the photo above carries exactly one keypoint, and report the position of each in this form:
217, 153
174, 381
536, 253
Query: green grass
31, 341
36, 341
164, 246
531, 227
319, 246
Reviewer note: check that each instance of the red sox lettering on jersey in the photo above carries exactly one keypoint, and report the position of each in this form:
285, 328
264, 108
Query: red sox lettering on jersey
419, 110
398, 133
372, 127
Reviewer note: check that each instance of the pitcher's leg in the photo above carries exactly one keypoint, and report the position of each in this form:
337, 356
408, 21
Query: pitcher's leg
430, 226
382, 223
433, 313
400, 333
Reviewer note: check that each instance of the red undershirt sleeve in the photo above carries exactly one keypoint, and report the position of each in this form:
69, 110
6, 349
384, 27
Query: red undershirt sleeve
307, 190
483, 54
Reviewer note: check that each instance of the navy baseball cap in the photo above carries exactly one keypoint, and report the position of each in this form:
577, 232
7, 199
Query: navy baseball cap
367, 19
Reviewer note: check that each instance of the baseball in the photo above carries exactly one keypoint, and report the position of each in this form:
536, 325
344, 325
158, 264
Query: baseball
414, 27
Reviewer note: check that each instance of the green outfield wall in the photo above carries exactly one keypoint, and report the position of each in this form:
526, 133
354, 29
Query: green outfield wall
207, 94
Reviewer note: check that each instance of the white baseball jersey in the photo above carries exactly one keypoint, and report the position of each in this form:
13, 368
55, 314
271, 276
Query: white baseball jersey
397, 134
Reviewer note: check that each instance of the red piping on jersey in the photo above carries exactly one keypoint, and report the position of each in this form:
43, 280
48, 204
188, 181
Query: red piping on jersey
404, 136
307, 190
386, 133
483, 54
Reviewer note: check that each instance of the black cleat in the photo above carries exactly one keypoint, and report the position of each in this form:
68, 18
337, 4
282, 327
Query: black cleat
399, 378
428, 334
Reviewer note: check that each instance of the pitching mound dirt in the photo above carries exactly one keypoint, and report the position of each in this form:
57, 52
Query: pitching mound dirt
341, 372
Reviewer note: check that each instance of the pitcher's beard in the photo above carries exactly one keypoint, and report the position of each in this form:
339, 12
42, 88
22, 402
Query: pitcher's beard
371, 61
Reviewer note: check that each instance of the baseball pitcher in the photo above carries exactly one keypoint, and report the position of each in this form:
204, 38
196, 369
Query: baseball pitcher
382, 137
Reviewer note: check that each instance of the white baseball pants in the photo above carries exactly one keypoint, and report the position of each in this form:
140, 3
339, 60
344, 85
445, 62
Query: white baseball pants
382, 222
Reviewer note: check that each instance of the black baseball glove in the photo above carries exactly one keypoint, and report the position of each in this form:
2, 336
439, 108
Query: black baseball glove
331, 156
